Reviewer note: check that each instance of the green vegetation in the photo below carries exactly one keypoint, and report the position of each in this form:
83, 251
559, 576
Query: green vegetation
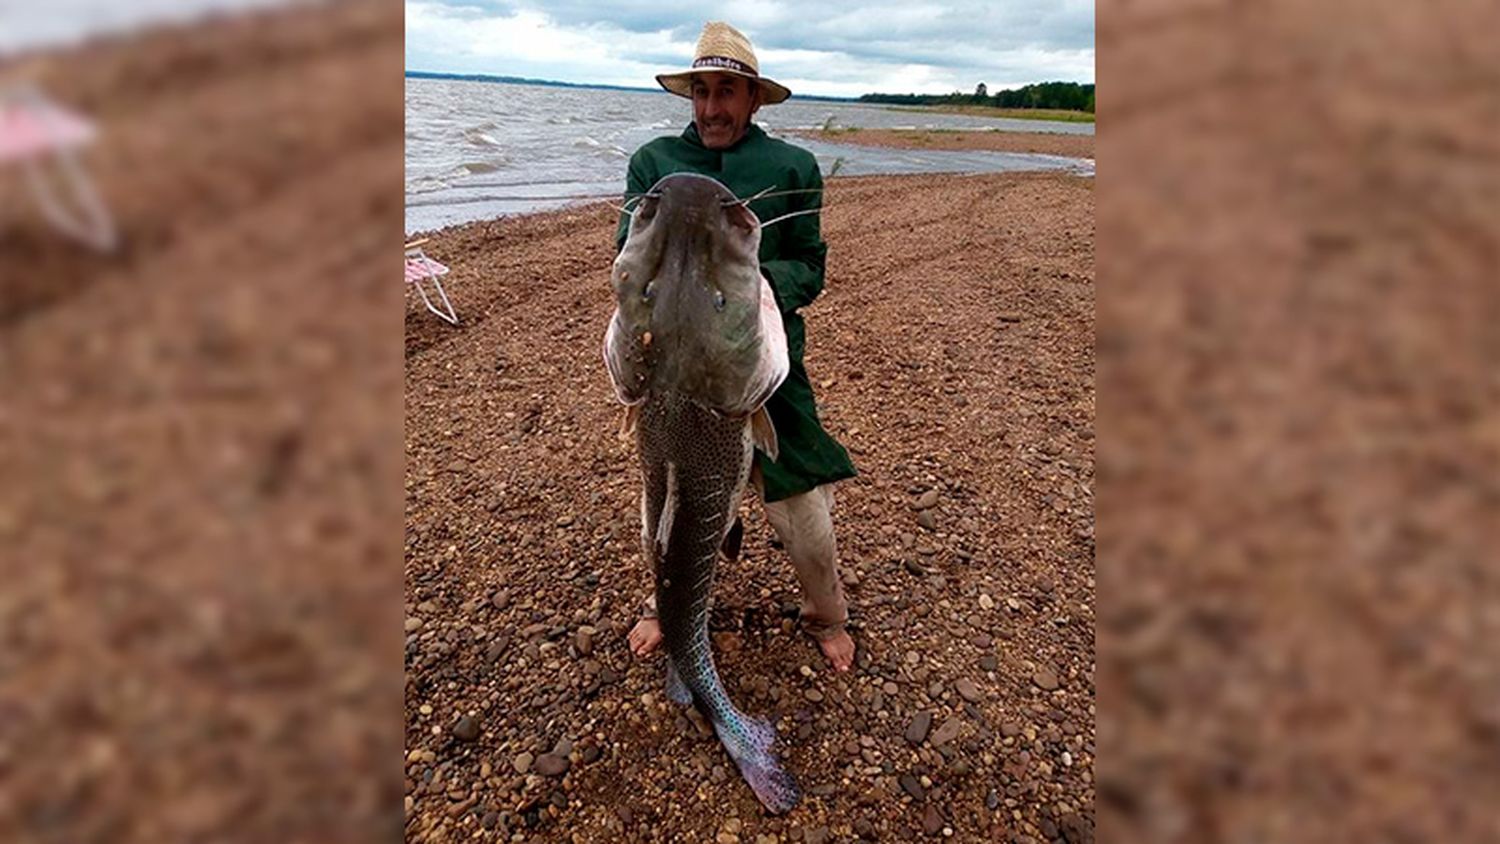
1064, 97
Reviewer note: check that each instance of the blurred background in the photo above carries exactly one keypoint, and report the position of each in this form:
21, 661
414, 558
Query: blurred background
1299, 421
200, 421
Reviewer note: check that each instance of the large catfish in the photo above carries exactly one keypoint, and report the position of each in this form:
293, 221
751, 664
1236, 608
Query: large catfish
695, 348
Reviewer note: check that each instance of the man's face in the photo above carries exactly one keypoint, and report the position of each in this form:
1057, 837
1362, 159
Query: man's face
722, 105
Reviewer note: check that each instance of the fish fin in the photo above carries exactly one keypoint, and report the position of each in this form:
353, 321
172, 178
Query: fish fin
628, 423
763, 433
748, 743
668, 511
677, 690
733, 540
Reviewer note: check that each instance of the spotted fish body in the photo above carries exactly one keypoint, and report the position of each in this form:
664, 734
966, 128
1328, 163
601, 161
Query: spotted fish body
695, 348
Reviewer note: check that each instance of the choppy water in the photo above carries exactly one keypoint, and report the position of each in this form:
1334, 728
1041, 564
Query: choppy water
480, 150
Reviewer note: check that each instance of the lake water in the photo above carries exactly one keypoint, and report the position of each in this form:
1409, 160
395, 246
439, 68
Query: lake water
480, 150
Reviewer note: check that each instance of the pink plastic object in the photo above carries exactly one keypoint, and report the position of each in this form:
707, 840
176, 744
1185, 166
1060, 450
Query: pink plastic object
35, 133
421, 269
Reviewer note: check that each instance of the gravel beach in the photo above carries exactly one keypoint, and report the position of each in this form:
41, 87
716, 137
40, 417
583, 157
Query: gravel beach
953, 353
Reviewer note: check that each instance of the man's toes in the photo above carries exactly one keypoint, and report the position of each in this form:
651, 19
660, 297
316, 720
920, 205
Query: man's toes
644, 637
839, 651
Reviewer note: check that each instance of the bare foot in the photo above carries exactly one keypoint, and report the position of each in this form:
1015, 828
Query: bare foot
646, 635
839, 649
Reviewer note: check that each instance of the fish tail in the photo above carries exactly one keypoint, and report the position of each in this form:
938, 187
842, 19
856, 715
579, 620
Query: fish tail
748, 742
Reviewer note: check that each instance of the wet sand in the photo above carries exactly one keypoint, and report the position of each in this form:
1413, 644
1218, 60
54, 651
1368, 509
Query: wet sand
1049, 143
953, 353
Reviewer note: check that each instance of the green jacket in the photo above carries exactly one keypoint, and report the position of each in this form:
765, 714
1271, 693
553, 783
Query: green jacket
791, 257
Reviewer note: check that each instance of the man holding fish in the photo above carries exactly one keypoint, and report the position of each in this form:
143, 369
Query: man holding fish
721, 142
719, 247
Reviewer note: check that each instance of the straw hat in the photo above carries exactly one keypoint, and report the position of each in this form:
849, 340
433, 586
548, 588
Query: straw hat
723, 49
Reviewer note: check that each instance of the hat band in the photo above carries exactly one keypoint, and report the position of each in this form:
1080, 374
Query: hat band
724, 62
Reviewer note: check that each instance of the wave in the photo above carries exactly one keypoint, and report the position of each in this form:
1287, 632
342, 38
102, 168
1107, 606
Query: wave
476, 167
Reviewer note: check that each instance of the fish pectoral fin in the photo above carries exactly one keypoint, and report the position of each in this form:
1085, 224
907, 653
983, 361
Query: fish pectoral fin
763, 433
733, 540
628, 422
668, 512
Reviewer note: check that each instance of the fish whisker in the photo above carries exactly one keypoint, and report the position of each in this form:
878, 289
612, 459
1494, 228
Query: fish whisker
773, 221
749, 199
784, 193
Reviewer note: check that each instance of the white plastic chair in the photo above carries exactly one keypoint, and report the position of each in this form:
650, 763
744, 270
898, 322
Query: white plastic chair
421, 269
35, 131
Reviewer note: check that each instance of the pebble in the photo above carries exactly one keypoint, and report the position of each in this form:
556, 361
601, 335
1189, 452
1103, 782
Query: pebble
467, 729
910, 785
989, 662
813, 695
927, 500
500, 600
1045, 678
916, 731
947, 732
925, 520
552, 765
585, 641
986, 602
864, 829
522, 762
969, 691
932, 820
816, 835
889, 687
413, 624
1010, 729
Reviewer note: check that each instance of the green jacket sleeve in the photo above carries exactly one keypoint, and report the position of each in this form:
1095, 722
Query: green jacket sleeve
796, 273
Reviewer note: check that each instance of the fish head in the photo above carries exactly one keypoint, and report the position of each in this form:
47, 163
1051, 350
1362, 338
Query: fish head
689, 276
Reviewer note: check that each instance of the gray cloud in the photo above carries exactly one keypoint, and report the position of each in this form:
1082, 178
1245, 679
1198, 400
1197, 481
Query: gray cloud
831, 47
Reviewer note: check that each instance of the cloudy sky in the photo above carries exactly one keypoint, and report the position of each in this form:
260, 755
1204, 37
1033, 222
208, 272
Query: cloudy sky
811, 46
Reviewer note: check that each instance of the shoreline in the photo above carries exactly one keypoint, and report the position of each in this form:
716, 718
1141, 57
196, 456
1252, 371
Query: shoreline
993, 140
951, 351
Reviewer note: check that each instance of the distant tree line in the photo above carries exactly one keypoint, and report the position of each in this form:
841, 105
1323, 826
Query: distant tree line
1063, 95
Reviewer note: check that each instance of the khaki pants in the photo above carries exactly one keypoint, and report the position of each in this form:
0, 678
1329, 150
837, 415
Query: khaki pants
804, 524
